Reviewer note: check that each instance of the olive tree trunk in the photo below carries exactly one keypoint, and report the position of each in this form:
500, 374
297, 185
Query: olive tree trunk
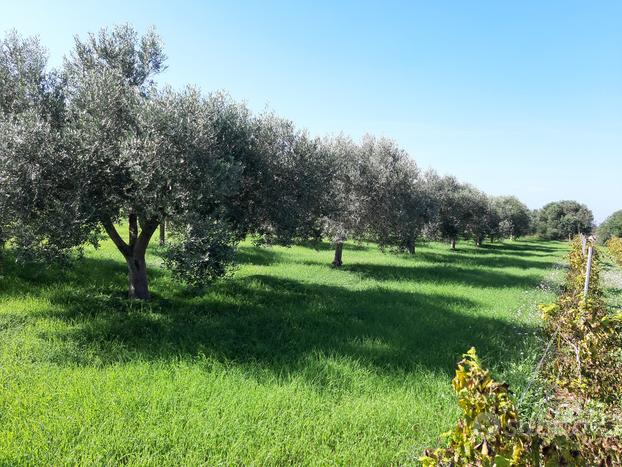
162, 233
138, 281
337, 262
453, 243
134, 253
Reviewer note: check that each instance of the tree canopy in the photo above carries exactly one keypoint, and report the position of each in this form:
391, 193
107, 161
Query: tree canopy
514, 218
97, 146
563, 219
611, 227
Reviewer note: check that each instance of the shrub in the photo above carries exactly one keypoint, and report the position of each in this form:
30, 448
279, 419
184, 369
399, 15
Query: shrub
489, 432
614, 244
582, 424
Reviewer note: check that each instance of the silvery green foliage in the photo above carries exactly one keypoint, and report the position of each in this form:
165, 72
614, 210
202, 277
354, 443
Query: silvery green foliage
31, 110
288, 179
202, 249
399, 203
49, 216
514, 216
448, 224
463, 211
120, 52
23, 75
107, 84
22, 67
346, 211
127, 150
505, 228
477, 208
185, 165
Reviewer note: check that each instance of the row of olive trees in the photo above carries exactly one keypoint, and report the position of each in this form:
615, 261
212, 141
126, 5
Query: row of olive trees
97, 142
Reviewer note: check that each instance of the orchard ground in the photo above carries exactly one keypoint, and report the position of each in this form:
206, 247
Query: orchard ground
288, 361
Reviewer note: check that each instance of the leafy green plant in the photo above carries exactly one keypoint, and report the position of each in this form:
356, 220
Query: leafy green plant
584, 362
582, 419
488, 432
614, 244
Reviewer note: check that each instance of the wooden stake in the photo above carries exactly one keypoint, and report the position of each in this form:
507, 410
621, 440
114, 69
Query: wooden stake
588, 271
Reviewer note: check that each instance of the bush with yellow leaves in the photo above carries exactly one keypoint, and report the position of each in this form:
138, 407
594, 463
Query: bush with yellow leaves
488, 433
587, 334
614, 244
583, 420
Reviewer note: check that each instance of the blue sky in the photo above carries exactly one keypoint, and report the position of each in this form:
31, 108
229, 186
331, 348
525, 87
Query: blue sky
519, 98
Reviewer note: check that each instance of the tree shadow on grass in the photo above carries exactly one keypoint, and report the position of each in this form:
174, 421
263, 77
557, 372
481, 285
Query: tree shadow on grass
444, 274
528, 246
328, 246
488, 259
260, 256
278, 324
104, 276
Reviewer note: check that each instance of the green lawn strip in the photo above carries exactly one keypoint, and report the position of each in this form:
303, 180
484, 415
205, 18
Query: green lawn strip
289, 361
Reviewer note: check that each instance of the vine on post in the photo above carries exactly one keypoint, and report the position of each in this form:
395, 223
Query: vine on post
582, 424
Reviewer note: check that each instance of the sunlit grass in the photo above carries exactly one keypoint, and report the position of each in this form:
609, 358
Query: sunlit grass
289, 361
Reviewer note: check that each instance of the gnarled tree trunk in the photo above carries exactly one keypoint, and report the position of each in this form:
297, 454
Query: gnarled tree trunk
134, 253
162, 233
138, 281
337, 262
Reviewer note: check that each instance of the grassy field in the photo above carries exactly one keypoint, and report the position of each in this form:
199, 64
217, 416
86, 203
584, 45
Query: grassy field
289, 361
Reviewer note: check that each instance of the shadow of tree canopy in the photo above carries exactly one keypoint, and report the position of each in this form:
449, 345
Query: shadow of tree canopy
490, 259
276, 323
444, 274
261, 256
107, 276
323, 245
528, 246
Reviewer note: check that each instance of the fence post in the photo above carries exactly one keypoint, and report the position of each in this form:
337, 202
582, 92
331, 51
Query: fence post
588, 271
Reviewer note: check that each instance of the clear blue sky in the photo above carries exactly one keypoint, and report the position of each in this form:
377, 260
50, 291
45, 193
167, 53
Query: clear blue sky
521, 97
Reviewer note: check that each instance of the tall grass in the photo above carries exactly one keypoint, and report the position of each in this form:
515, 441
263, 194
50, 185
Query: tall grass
289, 361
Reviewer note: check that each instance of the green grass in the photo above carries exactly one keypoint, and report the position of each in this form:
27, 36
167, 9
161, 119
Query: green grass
289, 361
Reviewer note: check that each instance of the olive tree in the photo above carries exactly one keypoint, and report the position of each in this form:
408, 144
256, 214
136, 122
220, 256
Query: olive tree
345, 211
126, 150
450, 221
184, 170
398, 201
375, 192
462, 211
514, 217
127, 153
285, 178
26, 89
478, 216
